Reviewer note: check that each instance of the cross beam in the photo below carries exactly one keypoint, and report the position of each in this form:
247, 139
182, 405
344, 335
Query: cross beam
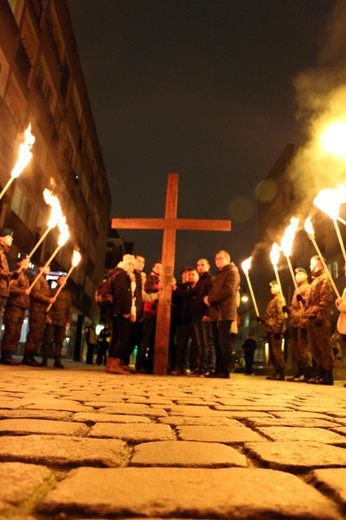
169, 224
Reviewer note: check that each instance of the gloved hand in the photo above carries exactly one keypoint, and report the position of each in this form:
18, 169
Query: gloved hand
259, 319
300, 298
285, 309
318, 323
277, 335
15, 275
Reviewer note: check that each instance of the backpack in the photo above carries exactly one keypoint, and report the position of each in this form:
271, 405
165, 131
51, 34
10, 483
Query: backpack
104, 296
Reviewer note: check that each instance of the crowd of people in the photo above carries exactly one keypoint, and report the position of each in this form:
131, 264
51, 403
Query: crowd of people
310, 325
203, 319
204, 309
49, 310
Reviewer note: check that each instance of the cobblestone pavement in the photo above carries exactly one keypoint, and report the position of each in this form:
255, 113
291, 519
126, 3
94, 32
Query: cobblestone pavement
78, 444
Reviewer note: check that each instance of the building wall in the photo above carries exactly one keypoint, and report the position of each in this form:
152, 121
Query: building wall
41, 82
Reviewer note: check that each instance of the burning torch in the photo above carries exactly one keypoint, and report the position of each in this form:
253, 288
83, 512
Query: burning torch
287, 242
24, 157
329, 201
246, 265
274, 257
63, 238
76, 257
55, 217
311, 234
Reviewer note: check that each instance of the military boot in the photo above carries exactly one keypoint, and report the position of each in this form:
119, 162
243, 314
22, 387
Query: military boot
58, 364
327, 378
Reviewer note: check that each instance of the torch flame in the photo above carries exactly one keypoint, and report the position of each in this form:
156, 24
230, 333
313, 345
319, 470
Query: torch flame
329, 200
76, 257
275, 254
309, 228
56, 212
246, 265
333, 139
64, 232
288, 237
24, 153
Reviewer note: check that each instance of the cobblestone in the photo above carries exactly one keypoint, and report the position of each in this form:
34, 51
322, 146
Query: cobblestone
80, 444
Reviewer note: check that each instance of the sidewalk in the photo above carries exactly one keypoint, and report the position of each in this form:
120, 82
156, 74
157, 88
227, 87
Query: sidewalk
78, 444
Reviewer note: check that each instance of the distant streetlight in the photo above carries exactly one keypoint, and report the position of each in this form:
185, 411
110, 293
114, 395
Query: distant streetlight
333, 139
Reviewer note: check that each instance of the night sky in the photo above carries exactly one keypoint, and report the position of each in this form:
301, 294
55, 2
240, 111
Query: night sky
203, 88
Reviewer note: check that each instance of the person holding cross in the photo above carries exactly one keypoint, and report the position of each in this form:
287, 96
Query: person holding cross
222, 299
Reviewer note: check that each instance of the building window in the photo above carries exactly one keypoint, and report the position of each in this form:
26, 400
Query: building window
21, 205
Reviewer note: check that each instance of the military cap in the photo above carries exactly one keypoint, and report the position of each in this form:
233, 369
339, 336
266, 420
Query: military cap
4, 232
300, 270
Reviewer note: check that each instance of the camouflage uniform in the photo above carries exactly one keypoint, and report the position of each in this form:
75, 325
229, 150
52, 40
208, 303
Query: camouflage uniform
299, 328
59, 314
39, 301
274, 322
14, 315
5, 277
317, 312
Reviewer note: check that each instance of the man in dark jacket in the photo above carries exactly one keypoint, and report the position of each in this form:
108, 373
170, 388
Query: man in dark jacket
17, 303
201, 320
59, 318
222, 299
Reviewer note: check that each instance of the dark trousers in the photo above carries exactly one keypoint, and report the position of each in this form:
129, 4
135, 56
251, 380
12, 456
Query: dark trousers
145, 353
223, 345
120, 337
90, 353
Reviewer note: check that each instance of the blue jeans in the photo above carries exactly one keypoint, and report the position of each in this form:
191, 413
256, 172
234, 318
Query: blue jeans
205, 344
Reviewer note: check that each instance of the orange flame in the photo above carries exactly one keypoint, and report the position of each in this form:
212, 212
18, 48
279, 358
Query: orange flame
246, 265
24, 153
76, 258
329, 200
275, 254
64, 232
56, 211
288, 237
309, 228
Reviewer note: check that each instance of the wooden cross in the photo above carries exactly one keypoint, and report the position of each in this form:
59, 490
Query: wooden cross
169, 224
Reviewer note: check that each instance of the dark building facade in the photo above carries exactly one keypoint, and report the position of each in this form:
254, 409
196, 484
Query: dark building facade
41, 83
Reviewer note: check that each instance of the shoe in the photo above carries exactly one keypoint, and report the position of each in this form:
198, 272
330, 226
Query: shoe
30, 361
293, 378
44, 362
58, 364
176, 372
8, 360
220, 375
115, 367
279, 376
